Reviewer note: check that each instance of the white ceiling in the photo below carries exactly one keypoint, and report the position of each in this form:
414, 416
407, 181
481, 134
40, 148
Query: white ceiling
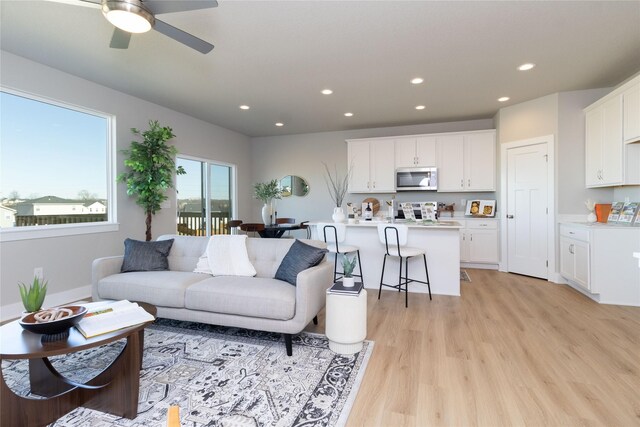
276, 56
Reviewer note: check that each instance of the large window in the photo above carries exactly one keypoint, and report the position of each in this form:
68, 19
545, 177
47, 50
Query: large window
55, 167
205, 191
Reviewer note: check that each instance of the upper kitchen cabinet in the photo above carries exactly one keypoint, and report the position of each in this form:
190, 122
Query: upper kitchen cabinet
467, 161
372, 165
415, 151
631, 109
610, 123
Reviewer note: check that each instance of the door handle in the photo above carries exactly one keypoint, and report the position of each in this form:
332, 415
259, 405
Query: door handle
461, 183
509, 216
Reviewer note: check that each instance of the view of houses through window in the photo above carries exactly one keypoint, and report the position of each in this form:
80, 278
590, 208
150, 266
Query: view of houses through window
205, 191
54, 167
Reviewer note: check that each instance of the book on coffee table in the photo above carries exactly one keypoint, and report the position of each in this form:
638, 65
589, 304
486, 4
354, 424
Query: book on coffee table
338, 288
102, 318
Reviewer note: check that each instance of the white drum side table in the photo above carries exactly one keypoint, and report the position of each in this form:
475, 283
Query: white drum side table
346, 322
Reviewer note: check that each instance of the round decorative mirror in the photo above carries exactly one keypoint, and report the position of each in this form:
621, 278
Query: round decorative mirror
293, 185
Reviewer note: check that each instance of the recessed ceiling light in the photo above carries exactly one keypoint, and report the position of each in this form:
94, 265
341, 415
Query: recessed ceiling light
503, 99
348, 114
327, 91
417, 81
244, 107
526, 67
279, 124
420, 107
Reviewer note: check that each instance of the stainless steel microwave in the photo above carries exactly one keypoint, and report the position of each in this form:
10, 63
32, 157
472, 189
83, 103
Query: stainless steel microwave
416, 179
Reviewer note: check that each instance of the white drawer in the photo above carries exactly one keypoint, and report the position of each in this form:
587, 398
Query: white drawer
574, 233
482, 224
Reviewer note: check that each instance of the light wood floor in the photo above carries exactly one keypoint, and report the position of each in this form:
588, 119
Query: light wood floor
510, 351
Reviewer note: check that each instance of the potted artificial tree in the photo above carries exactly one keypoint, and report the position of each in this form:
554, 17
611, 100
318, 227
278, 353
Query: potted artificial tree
347, 268
151, 166
267, 191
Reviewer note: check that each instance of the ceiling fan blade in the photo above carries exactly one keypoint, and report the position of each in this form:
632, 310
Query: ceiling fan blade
120, 39
86, 3
169, 6
183, 37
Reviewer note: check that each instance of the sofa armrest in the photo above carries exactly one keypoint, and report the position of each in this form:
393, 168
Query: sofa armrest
101, 268
311, 289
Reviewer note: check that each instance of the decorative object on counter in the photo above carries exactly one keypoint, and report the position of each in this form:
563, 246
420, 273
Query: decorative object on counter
614, 214
602, 212
628, 212
351, 214
367, 213
293, 185
429, 211
348, 265
337, 187
375, 205
390, 210
267, 192
407, 210
151, 165
33, 295
443, 207
636, 220
591, 205
481, 208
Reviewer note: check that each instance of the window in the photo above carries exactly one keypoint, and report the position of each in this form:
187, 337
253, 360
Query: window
55, 164
205, 191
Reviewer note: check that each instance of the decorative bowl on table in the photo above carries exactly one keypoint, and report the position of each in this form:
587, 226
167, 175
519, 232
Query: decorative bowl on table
50, 321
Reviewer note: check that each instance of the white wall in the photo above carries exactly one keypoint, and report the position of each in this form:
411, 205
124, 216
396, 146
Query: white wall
67, 260
302, 155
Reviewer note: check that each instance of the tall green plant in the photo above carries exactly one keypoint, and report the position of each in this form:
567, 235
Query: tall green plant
266, 191
151, 166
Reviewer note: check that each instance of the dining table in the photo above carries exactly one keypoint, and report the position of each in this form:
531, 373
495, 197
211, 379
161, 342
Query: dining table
275, 231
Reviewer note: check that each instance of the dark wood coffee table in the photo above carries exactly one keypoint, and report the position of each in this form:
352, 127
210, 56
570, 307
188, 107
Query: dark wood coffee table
114, 390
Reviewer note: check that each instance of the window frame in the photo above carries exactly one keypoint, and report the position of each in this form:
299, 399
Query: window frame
61, 230
233, 182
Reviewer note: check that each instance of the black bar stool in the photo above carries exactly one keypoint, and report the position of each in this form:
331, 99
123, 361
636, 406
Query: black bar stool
334, 234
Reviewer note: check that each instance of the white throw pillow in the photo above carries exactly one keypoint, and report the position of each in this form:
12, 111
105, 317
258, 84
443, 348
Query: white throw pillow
226, 255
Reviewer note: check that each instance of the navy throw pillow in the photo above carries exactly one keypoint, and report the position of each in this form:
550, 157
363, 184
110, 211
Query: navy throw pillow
146, 256
300, 257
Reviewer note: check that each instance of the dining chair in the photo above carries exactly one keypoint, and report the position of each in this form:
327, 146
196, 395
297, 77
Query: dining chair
233, 225
394, 238
334, 235
286, 221
252, 227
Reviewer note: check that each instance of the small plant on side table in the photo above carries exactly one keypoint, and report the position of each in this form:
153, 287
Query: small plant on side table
347, 267
33, 295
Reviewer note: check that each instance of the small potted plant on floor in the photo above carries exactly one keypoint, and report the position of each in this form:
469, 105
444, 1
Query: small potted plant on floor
33, 295
347, 267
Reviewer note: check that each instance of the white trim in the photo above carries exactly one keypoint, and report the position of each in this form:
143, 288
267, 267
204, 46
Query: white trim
552, 275
12, 311
46, 231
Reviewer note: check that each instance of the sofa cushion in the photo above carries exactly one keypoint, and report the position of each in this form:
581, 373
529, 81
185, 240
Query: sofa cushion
161, 288
300, 257
253, 297
145, 256
185, 251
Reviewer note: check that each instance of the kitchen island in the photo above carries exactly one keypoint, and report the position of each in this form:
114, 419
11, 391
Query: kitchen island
441, 242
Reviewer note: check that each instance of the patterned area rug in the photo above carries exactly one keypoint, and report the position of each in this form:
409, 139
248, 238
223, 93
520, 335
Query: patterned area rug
221, 377
464, 276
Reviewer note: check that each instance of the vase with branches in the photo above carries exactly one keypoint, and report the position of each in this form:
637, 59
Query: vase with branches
267, 192
337, 187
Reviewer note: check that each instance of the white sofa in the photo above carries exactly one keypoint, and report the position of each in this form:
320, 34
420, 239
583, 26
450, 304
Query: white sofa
261, 302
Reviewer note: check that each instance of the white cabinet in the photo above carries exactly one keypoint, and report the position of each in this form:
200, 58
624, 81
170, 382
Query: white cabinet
574, 256
631, 114
612, 125
372, 165
467, 162
598, 259
415, 152
479, 241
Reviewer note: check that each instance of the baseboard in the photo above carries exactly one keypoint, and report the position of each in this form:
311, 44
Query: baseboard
13, 311
479, 266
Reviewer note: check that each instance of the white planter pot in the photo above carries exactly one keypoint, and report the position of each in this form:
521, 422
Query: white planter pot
348, 282
267, 214
592, 217
338, 215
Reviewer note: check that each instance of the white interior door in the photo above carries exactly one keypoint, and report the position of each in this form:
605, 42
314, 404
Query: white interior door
527, 210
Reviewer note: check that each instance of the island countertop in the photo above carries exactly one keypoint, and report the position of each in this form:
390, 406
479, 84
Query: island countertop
441, 242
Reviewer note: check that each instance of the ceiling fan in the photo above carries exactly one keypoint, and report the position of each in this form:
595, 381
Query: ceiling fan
139, 16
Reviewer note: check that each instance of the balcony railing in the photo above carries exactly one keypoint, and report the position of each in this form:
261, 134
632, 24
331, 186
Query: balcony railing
29, 220
192, 224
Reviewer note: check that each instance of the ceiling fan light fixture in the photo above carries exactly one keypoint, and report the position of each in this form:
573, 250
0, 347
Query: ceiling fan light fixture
128, 15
